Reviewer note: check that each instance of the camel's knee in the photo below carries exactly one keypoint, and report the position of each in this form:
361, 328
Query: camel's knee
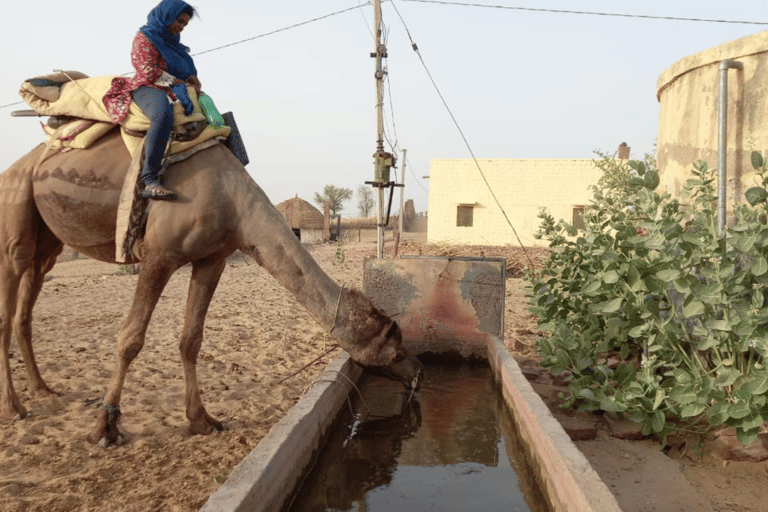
130, 351
190, 347
21, 255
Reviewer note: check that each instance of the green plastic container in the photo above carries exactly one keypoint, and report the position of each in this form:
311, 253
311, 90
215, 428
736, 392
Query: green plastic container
209, 111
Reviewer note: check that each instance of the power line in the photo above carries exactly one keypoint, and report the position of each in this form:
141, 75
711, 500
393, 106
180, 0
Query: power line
281, 29
466, 142
591, 13
307, 22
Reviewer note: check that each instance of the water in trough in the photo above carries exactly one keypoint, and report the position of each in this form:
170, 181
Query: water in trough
452, 447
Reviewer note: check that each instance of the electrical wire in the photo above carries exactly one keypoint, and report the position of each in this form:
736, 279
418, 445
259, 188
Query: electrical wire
307, 22
464, 138
591, 13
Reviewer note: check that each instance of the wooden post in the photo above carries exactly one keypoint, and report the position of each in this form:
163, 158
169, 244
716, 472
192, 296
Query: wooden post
326, 221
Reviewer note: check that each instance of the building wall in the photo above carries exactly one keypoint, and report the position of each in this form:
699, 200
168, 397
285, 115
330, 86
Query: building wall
688, 114
522, 187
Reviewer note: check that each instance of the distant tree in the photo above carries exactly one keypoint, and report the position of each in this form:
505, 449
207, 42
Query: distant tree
364, 200
334, 196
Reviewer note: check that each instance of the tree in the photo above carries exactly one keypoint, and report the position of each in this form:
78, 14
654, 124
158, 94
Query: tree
334, 196
364, 200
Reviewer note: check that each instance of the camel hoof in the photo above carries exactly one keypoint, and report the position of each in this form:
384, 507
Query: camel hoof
15, 414
105, 442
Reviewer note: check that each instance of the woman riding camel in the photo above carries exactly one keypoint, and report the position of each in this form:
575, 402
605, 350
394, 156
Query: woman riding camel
164, 68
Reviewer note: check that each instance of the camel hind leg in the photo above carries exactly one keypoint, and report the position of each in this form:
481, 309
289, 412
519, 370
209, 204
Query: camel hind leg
18, 229
48, 248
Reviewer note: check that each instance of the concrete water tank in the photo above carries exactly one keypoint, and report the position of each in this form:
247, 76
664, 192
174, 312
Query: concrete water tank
688, 115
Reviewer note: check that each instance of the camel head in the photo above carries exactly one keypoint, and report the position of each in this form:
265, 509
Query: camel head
386, 356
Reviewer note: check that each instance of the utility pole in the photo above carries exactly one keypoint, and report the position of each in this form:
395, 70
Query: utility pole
402, 192
382, 160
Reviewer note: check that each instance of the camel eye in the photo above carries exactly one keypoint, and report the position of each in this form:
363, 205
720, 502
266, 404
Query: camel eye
399, 357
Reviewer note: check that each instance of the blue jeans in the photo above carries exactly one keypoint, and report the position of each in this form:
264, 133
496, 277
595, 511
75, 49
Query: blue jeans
155, 105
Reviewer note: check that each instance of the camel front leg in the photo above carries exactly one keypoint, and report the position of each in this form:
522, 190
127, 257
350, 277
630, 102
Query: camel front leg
205, 278
153, 277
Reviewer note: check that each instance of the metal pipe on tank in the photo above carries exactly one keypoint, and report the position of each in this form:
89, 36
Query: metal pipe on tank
722, 141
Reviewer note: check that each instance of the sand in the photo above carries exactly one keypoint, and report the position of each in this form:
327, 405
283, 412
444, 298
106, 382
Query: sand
256, 336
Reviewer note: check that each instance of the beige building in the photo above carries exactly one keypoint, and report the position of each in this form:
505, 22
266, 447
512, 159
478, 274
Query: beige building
462, 209
688, 93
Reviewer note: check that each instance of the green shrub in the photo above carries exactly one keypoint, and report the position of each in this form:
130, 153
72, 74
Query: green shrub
649, 313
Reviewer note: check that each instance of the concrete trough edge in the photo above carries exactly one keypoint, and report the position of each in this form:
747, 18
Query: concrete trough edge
263, 479
567, 480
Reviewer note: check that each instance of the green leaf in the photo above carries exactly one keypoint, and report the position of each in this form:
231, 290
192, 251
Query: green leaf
611, 306
660, 395
726, 377
651, 180
756, 195
695, 307
611, 277
657, 424
592, 287
633, 279
608, 405
757, 160
682, 395
668, 275
752, 421
739, 410
758, 386
707, 343
747, 436
682, 286
709, 293
760, 266
745, 328
624, 351
718, 413
681, 376
719, 325
744, 243
624, 374
692, 410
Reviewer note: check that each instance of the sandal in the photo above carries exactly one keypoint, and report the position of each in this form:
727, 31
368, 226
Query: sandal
158, 192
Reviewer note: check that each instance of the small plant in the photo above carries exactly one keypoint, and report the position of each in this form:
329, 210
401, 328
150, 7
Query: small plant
339, 261
652, 314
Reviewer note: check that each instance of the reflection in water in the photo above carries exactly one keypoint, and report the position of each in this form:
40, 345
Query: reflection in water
447, 449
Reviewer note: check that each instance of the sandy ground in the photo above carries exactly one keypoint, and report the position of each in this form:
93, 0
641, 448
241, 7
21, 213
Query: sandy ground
256, 336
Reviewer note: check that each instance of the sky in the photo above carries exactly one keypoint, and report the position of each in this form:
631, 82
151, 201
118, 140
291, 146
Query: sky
518, 83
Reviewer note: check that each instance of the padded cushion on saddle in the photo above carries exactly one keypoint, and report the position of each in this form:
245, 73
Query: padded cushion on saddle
42, 86
82, 98
77, 134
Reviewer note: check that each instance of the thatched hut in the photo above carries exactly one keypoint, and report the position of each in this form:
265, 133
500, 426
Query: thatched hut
304, 219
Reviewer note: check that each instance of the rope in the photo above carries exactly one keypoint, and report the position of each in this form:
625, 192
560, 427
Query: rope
336, 315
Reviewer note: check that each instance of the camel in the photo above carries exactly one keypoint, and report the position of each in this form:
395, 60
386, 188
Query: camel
72, 199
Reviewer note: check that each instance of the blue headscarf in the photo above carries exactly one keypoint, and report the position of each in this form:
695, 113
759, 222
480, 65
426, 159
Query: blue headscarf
169, 45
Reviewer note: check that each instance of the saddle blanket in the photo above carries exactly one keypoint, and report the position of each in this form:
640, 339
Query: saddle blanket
71, 93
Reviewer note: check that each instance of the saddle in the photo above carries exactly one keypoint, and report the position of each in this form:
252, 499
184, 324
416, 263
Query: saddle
77, 117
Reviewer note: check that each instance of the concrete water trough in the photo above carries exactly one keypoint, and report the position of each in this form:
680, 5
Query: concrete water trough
445, 306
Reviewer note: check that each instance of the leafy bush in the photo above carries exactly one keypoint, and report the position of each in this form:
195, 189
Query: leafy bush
652, 315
